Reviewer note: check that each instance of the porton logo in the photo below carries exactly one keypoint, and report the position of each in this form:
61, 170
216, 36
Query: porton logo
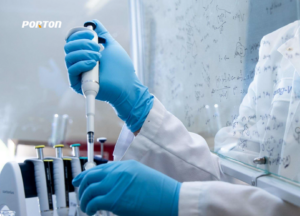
41, 24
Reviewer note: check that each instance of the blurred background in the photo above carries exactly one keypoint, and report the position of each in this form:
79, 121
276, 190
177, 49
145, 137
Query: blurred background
36, 104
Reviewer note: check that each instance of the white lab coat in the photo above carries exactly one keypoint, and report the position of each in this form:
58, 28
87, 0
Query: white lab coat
165, 145
268, 124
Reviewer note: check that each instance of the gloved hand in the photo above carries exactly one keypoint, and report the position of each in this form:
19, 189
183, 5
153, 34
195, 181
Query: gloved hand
119, 84
127, 188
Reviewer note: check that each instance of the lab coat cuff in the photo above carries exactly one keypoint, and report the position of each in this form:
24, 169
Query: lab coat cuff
148, 132
153, 121
189, 198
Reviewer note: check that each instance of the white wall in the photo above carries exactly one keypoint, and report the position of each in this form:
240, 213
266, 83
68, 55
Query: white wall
34, 82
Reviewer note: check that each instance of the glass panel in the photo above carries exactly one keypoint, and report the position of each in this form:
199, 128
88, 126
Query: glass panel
34, 80
229, 70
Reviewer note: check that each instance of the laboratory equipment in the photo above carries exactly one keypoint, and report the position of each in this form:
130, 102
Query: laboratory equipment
63, 128
101, 140
45, 199
67, 173
7, 213
17, 186
83, 161
76, 170
260, 160
43, 186
38, 186
75, 162
99, 158
21, 182
58, 150
53, 140
75, 150
68, 179
59, 184
90, 88
49, 181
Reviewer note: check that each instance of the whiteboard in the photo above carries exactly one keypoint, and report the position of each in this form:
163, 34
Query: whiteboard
198, 57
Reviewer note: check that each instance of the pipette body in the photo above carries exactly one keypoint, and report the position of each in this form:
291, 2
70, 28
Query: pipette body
90, 88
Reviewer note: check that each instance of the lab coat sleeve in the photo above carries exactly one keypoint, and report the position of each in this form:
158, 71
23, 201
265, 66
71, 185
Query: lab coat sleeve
165, 145
221, 198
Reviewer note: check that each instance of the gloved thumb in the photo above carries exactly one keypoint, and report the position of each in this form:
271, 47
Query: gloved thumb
101, 31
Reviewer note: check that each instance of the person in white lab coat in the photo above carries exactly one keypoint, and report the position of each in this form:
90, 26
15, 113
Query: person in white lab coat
185, 177
268, 122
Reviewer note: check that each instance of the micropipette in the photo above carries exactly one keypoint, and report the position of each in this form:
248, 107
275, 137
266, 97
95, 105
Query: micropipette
90, 87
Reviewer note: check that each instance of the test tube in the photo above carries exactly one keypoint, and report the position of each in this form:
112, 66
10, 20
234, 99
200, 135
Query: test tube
55, 127
63, 128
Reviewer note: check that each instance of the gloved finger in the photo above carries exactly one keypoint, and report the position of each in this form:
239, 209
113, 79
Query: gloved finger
91, 177
102, 32
92, 191
80, 67
82, 44
81, 55
75, 73
96, 176
97, 204
77, 180
81, 35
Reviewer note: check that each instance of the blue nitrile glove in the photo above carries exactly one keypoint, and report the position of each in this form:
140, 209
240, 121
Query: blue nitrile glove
119, 84
127, 188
